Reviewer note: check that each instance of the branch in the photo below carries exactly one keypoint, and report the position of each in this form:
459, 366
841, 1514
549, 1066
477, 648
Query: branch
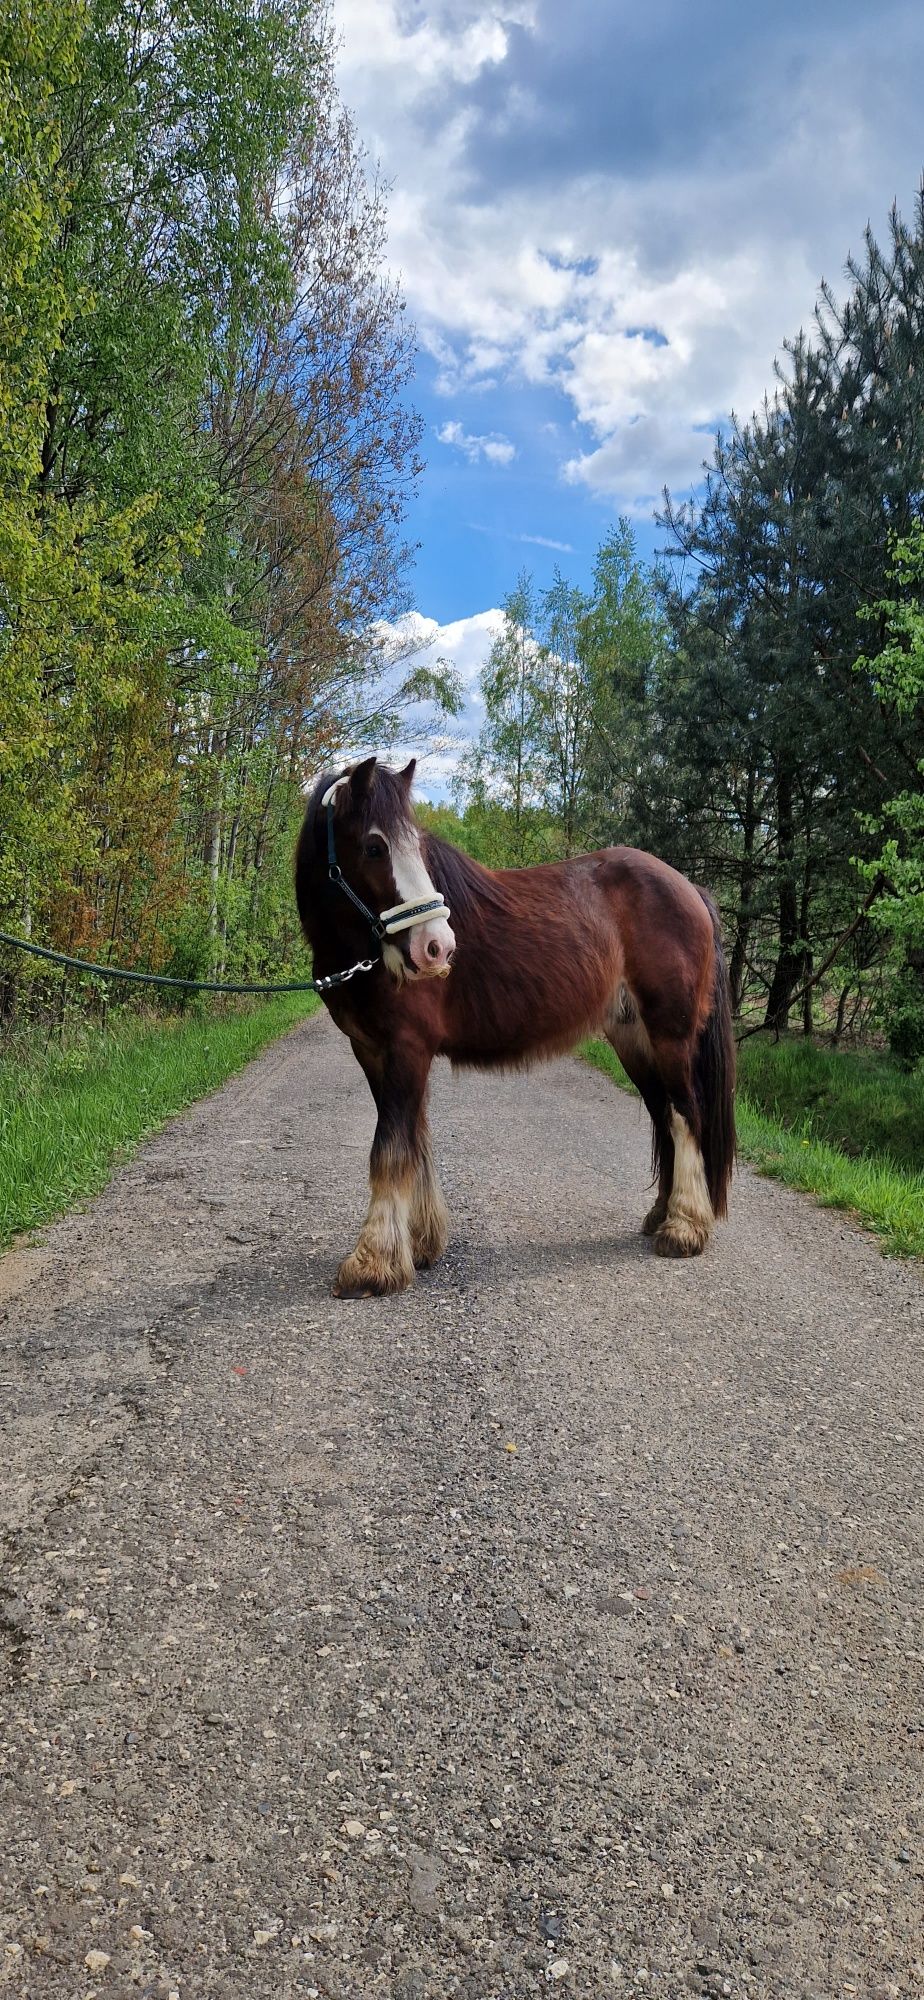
879, 885
883, 780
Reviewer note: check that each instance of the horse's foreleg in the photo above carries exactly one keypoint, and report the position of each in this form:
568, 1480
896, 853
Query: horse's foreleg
383, 1260
429, 1219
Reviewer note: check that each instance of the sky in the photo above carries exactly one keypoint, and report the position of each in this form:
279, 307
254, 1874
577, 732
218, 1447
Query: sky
606, 220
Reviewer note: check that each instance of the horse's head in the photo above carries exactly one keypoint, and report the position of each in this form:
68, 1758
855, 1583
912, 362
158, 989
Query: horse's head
380, 857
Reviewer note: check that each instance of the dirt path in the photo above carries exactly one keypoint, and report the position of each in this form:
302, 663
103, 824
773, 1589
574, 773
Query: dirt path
557, 1626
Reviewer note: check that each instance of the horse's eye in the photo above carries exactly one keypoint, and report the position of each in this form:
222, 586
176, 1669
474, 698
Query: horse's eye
376, 850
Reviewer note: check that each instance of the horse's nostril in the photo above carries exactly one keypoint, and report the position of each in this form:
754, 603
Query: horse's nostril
433, 950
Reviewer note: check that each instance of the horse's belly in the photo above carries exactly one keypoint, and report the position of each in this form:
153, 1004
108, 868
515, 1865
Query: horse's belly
514, 1035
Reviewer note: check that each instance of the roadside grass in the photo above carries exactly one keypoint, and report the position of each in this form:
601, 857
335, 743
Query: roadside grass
858, 1099
878, 1188
71, 1111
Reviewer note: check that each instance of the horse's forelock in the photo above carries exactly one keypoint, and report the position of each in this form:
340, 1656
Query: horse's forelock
385, 804
388, 805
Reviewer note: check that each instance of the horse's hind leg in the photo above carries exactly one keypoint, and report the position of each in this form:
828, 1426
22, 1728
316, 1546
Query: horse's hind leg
684, 1228
627, 1035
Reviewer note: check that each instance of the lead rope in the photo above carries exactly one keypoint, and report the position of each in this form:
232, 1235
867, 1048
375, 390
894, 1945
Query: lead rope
189, 985
401, 917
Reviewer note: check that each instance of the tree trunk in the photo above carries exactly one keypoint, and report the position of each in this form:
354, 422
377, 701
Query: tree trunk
806, 970
789, 957
841, 1012
738, 960
808, 1025
213, 848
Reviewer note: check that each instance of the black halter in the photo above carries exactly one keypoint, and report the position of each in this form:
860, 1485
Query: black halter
401, 918
336, 875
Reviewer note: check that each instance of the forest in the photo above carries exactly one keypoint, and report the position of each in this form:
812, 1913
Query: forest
207, 449
751, 707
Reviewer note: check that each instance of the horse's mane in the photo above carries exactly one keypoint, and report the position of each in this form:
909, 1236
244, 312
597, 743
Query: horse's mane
463, 882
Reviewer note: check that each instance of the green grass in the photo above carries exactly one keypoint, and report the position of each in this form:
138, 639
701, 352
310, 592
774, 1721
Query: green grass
71, 1111
859, 1100
798, 1144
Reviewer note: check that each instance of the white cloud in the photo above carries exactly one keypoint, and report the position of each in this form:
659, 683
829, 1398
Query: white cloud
466, 643
646, 260
493, 446
639, 459
508, 535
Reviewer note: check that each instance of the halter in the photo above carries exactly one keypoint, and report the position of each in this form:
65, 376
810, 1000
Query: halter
401, 916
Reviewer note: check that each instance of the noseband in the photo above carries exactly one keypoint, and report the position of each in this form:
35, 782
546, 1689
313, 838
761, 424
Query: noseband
402, 916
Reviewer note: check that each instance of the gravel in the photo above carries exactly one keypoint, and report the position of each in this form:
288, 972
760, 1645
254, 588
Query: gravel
309, 1684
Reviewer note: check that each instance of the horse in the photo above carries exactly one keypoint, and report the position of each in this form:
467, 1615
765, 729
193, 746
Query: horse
499, 968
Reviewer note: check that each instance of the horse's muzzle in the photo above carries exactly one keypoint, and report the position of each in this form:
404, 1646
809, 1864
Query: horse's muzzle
431, 947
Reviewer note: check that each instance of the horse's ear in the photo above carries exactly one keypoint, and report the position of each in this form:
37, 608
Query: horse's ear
407, 775
361, 780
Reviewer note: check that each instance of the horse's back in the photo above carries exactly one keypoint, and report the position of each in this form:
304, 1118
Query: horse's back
652, 886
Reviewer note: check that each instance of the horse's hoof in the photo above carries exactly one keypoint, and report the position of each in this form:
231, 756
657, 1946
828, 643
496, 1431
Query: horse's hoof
360, 1278
679, 1237
654, 1219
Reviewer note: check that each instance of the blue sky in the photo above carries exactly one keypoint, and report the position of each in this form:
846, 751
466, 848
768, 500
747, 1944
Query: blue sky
606, 220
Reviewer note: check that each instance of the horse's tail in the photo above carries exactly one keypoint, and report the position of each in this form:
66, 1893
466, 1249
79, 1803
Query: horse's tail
714, 1077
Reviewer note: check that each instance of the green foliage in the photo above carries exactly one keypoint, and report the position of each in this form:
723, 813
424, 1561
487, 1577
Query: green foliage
204, 459
858, 1100
71, 1111
897, 674
39, 42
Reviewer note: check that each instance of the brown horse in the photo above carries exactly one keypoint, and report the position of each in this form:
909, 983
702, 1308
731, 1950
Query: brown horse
499, 969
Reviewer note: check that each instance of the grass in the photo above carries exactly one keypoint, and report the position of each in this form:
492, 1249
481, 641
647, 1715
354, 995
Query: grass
871, 1174
858, 1099
71, 1111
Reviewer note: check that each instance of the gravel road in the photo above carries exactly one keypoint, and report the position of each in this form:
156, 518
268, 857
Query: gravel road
555, 1627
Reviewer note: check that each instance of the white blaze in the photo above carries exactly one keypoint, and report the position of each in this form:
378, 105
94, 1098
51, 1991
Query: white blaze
414, 886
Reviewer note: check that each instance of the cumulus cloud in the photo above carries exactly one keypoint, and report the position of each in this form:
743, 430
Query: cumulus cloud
466, 643
493, 446
631, 208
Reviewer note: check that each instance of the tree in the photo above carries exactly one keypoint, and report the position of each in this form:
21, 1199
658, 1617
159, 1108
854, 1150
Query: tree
897, 673
204, 471
789, 544
624, 638
502, 776
559, 759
